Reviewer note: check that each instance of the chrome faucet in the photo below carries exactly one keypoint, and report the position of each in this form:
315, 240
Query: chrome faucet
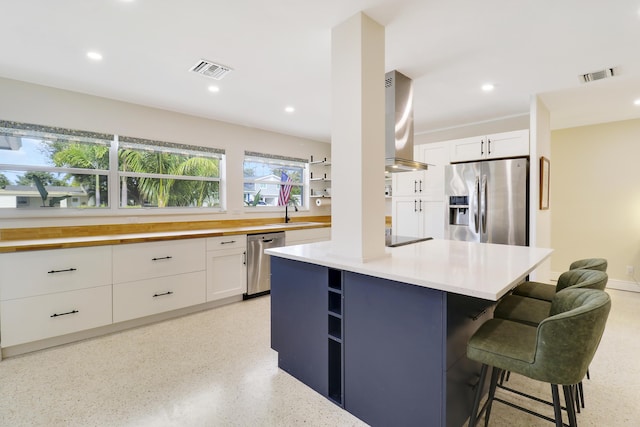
286, 212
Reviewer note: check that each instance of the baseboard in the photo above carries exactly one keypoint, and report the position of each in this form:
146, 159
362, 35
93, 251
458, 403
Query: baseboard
621, 285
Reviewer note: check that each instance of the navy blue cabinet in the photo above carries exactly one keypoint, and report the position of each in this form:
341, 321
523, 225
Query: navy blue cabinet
390, 353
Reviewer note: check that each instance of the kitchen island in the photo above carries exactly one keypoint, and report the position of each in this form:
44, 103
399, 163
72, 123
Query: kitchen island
386, 339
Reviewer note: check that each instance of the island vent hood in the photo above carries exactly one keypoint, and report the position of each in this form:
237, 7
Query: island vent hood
399, 124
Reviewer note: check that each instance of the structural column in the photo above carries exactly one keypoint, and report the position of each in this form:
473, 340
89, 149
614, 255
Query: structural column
357, 139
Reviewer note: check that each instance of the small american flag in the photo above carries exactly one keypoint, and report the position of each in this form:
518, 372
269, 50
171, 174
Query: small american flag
285, 190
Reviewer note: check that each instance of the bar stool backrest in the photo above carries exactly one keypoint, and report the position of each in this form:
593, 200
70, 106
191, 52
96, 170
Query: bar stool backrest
599, 264
581, 278
568, 339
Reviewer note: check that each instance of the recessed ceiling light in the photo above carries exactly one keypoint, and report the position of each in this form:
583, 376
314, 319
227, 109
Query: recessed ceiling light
95, 56
636, 102
214, 89
488, 87
289, 109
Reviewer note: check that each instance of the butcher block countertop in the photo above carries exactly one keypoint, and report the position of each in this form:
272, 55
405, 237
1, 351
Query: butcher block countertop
18, 240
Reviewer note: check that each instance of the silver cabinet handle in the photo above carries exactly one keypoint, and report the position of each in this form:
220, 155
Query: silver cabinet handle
415, 206
415, 186
489, 145
227, 243
244, 258
161, 258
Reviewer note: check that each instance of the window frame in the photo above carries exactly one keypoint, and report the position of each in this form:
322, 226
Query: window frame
112, 141
285, 161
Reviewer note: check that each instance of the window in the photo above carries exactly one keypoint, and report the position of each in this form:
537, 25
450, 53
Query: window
160, 174
43, 166
274, 180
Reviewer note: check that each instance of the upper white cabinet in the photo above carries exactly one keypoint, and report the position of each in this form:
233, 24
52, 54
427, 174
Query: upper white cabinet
495, 146
436, 155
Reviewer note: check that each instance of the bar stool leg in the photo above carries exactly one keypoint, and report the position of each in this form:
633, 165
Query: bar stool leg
492, 392
557, 410
570, 405
473, 418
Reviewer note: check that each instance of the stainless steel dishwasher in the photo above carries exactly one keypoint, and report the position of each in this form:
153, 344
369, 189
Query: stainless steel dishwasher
259, 263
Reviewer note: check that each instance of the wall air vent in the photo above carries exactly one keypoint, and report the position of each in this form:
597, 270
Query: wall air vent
210, 69
599, 75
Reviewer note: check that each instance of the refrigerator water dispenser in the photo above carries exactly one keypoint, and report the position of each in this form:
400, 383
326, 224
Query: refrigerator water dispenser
459, 210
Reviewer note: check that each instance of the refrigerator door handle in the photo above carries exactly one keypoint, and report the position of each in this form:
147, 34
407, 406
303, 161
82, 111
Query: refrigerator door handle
476, 208
484, 204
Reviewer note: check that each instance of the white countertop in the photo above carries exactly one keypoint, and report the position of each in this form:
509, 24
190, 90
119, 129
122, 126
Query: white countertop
481, 270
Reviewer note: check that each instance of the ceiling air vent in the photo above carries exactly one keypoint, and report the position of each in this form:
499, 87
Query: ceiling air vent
598, 75
210, 69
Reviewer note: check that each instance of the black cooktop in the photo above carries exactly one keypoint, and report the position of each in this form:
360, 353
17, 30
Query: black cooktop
395, 241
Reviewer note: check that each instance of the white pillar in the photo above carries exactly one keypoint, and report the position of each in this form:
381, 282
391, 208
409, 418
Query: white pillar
357, 139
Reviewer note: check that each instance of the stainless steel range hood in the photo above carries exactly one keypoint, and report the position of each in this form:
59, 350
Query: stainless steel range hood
399, 124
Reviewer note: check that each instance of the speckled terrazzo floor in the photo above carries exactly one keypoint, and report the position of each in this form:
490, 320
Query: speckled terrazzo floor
216, 368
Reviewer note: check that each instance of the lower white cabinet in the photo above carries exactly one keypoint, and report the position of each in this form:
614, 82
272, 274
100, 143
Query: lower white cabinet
44, 316
226, 267
309, 235
152, 296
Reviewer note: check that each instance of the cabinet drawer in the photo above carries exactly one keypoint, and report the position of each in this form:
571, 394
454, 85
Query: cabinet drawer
142, 261
295, 237
227, 242
44, 272
44, 316
146, 297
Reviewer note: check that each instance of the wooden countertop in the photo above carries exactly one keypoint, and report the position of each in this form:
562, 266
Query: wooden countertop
118, 239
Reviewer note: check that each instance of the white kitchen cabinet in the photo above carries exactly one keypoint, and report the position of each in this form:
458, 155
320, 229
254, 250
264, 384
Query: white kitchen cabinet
437, 156
141, 298
53, 292
494, 146
408, 183
309, 235
226, 266
139, 261
25, 274
44, 316
416, 217
154, 277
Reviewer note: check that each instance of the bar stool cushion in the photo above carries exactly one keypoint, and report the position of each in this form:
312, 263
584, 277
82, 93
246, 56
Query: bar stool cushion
545, 291
521, 309
532, 311
558, 350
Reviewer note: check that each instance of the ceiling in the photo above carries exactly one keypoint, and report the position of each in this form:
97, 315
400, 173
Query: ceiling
280, 53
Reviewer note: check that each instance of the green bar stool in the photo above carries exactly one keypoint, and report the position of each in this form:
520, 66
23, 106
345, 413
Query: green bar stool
532, 311
558, 351
545, 292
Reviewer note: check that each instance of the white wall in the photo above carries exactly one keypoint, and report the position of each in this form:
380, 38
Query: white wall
29, 103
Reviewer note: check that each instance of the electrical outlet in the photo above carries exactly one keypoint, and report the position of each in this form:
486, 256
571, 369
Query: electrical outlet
630, 270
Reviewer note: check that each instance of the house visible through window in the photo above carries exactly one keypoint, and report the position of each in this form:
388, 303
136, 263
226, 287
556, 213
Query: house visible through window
43, 166
274, 180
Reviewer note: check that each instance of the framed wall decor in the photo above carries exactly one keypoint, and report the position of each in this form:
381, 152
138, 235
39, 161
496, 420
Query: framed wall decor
544, 183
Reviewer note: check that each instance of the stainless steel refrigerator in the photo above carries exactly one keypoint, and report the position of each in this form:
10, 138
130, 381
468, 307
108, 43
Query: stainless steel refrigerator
487, 201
